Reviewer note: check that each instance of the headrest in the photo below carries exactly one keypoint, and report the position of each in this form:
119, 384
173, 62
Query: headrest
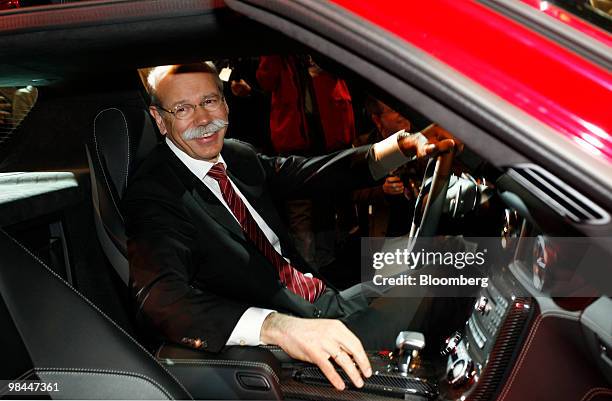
122, 137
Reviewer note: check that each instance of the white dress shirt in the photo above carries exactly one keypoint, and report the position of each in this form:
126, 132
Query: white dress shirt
386, 157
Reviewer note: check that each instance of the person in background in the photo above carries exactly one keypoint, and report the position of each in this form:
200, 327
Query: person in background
311, 110
310, 114
250, 104
386, 211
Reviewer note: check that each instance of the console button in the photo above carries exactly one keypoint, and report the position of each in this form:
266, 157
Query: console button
253, 382
481, 305
451, 344
460, 372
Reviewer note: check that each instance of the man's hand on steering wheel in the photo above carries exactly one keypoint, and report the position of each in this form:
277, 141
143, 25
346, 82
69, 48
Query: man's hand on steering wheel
433, 141
319, 341
430, 142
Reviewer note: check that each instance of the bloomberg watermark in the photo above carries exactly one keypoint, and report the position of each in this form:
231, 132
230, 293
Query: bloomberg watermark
461, 266
414, 259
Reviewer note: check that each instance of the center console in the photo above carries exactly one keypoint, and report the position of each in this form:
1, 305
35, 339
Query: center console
478, 358
472, 365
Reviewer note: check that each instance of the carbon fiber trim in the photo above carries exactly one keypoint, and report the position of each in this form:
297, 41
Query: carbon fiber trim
294, 390
385, 384
501, 357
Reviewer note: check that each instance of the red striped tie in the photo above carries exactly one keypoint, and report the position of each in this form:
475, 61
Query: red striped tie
308, 288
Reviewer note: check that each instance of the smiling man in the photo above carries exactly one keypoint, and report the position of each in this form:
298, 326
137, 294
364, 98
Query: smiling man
196, 118
210, 261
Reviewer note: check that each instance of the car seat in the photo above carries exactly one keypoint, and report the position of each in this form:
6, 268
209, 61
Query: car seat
53, 334
121, 138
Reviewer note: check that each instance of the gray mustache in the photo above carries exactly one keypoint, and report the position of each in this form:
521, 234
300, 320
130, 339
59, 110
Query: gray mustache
198, 132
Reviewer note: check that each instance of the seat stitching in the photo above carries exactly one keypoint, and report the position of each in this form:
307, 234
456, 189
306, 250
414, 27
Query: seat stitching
127, 133
93, 372
97, 309
100, 160
26, 374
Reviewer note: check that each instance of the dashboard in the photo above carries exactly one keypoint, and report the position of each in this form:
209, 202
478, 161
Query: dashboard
546, 277
548, 272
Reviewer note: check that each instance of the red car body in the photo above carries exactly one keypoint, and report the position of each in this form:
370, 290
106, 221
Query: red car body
570, 94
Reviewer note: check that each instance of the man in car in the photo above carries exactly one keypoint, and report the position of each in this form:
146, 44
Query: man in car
386, 210
210, 261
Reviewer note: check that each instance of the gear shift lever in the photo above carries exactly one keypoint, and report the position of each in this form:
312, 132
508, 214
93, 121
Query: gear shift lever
409, 344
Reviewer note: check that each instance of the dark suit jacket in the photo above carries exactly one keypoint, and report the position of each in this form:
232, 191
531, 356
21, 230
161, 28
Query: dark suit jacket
193, 271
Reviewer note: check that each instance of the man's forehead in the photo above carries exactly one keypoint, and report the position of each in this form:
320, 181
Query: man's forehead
173, 86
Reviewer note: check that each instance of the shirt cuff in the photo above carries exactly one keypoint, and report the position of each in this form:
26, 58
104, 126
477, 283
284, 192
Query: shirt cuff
247, 330
386, 155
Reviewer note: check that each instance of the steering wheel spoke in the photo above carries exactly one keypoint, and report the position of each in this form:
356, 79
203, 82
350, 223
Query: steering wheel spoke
432, 196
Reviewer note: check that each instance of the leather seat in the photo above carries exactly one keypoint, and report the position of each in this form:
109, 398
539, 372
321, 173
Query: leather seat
121, 138
52, 333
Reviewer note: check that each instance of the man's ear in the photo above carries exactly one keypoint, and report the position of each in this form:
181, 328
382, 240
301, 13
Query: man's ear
158, 120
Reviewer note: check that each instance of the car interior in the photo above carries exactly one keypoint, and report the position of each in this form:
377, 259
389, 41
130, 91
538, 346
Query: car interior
65, 306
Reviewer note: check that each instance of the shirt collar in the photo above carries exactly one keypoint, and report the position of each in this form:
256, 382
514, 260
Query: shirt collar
199, 168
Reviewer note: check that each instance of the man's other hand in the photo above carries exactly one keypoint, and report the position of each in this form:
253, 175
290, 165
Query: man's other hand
430, 142
240, 88
319, 341
393, 185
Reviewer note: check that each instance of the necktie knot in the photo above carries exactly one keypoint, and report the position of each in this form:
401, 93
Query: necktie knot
217, 171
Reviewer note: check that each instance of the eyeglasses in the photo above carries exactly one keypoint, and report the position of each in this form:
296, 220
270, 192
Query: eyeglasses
186, 111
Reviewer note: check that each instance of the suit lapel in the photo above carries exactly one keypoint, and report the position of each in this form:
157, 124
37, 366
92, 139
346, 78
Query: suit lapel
252, 184
208, 202
251, 192
262, 204
199, 197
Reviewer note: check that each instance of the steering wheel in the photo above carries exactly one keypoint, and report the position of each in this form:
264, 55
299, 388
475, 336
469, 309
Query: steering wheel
432, 196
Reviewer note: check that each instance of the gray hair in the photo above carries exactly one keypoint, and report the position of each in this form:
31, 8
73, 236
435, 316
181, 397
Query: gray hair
157, 73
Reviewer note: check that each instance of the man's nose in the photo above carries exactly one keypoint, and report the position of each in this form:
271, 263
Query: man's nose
201, 115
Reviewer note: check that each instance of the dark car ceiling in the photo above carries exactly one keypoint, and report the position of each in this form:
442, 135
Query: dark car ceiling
74, 51
84, 67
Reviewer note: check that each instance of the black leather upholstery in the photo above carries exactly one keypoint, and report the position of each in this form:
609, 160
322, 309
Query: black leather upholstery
58, 335
251, 373
121, 138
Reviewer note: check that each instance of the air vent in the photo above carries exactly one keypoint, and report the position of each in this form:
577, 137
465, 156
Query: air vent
564, 199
